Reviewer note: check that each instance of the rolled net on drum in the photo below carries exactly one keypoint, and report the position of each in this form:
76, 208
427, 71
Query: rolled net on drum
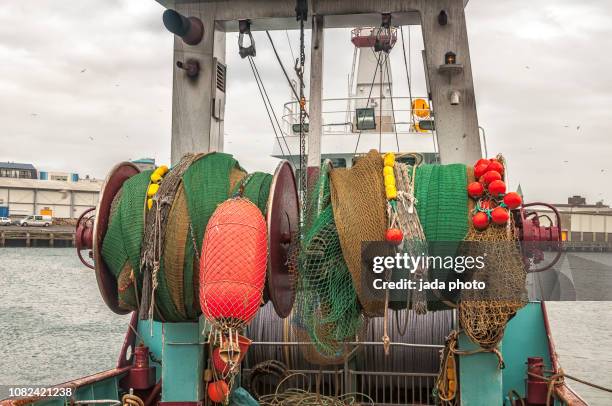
442, 206
123, 239
414, 243
326, 308
360, 213
163, 244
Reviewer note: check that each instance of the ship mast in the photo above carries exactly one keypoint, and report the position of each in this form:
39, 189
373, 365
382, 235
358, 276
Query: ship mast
199, 103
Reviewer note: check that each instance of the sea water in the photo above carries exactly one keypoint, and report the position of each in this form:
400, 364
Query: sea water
54, 326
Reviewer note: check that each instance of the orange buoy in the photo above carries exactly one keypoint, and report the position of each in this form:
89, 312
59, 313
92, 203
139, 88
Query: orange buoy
218, 391
420, 108
233, 263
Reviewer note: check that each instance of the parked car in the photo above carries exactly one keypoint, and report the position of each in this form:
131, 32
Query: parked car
36, 220
5, 221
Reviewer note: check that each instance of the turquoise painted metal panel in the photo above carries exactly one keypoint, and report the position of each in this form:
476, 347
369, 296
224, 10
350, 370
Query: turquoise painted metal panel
107, 389
183, 362
480, 378
525, 336
152, 338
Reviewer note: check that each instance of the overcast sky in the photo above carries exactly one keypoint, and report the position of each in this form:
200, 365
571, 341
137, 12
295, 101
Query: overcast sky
85, 84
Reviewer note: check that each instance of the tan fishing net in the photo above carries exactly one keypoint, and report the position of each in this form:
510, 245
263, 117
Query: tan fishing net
359, 206
174, 249
483, 314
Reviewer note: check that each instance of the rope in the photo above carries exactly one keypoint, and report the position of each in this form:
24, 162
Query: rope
299, 397
280, 62
446, 382
407, 69
131, 400
514, 395
270, 110
392, 106
414, 242
559, 379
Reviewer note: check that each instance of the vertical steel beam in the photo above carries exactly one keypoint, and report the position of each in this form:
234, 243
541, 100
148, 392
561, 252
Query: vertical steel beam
194, 129
315, 100
456, 125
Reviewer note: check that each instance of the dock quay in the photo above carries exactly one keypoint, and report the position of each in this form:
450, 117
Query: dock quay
55, 236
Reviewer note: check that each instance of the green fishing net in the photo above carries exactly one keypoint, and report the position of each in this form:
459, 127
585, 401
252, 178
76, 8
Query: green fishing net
326, 305
442, 206
122, 242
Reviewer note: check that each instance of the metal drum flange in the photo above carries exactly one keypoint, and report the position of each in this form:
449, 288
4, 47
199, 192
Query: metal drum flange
283, 218
106, 280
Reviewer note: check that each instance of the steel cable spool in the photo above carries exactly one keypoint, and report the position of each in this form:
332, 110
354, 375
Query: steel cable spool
431, 328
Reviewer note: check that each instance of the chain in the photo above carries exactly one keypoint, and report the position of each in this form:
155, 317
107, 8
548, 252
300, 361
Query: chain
302, 13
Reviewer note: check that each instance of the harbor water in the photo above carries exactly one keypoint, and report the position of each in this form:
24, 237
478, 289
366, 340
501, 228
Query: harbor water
54, 326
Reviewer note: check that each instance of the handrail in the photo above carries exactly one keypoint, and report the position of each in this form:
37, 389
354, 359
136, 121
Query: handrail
355, 98
291, 112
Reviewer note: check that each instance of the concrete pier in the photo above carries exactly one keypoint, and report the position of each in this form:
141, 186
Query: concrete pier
57, 236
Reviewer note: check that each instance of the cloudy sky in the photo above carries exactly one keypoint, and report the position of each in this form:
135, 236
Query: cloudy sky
85, 84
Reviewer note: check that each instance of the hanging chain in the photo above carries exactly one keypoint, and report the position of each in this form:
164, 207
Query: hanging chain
301, 10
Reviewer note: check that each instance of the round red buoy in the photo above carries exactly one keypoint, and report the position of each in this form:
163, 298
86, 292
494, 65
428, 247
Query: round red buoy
480, 220
496, 166
394, 236
499, 215
218, 391
513, 200
482, 161
491, 176
475, 189
480, 169
497, 188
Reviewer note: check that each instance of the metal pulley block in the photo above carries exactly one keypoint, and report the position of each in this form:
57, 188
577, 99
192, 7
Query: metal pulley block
538, 232
244, 27
84, 236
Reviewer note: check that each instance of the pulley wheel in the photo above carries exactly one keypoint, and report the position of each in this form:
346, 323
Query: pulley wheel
106, 281
283, 222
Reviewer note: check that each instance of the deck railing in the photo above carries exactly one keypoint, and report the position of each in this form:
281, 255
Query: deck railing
339, 115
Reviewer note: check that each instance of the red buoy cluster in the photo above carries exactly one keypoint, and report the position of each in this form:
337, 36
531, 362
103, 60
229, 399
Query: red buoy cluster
489, 191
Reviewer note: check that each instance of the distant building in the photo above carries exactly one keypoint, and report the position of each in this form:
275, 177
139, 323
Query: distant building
588, 225
17, 170
578, 203
59, 198
59, 176
144, 164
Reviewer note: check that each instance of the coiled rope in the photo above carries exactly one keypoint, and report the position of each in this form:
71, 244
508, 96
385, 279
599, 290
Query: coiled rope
300, 397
